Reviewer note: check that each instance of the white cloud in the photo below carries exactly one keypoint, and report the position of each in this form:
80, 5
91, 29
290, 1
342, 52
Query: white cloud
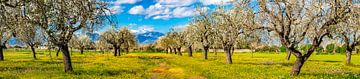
119, 2
114, 10
216, 2
143, 29
137, 10
180, 12
176, 3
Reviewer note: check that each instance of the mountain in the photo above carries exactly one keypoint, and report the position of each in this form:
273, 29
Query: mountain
148, 37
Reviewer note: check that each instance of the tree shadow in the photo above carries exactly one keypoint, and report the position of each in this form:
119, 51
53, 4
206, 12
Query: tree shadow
267, 63
330, 61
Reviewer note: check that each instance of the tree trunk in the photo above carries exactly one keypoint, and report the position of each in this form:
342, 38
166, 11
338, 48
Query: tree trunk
57, 52
190, 51
206, 50
119, 51
227, 50
115, 51
175, 51
167, 50
67, 58
297, 66
179, 51
215, 51
81, 50
127, 50
288, 55
1, 54
171, 51
232, 50
348, 56
33, 51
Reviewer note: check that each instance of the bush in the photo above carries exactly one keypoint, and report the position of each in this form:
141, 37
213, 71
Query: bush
330, 48
282, 49
340, 49
305, 47
319, 49
267, 49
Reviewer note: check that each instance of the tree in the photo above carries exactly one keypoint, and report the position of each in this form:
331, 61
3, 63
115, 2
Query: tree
203, 30
128, 39
229, 25
30, 35
9, 12
349, 31
188, 37
111, 37
102, 45
296, 20
60, 19
81, 42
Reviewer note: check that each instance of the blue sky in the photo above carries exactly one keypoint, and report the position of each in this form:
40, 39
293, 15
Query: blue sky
156, 15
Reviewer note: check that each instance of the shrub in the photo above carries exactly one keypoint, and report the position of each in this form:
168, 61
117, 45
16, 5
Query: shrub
282, 49
330, 48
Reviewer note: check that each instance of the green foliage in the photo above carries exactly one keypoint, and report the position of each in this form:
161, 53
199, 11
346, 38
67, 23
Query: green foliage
340, 49
282, 49
305, 47
319, 49
330, 48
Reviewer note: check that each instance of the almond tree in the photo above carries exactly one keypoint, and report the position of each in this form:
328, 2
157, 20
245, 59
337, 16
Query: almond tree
296, 20
60, 19
230, 24
349, 31
102, 45
80, 42
203, 30
111, 37
30, 35
189, 39
9, 12
128, 39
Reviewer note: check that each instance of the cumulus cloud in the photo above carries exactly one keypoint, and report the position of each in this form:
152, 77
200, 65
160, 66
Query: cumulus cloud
176, 3
114, 10
180, 12
216, 2
143, 29
119, 2
137, 10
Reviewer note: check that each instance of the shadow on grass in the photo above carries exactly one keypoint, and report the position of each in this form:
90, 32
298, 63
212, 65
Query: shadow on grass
267, 63
106, 72
343, 75
17, 68
330, 61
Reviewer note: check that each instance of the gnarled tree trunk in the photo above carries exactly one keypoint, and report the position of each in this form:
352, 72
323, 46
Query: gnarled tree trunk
175, 51
206, 50
179, 51
348, 56
1, 53
119, 51
82, 50
115, 51
171, 51
228, 50
297, 66
67, 59
33, 51
57, 51
288, 55
190, 51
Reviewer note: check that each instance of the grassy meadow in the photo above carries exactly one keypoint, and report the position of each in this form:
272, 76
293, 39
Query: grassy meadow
93, 65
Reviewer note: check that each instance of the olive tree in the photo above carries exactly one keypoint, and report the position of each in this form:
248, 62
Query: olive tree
296, 20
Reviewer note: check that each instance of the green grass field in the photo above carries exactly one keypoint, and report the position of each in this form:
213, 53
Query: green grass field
167, 66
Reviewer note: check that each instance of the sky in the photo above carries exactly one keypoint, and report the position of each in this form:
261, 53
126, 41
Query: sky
156, 15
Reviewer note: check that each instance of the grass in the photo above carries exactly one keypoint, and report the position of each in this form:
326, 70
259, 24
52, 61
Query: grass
92, 65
